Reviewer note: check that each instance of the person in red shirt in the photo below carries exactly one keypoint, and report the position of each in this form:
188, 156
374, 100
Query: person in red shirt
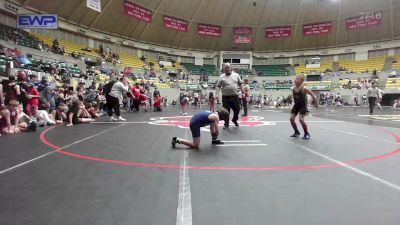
33, 102
136, 95
157, 103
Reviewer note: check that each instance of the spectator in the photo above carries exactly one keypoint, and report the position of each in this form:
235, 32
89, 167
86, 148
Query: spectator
211, 100
33, 102
14, 116
245, 96
75, 113
5, 123
1, 96
13, 90
183, 100
118, 89
157, 103
372, 96
60, 116
156, 92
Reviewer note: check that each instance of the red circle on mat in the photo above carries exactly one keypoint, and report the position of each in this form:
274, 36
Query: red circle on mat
174, 166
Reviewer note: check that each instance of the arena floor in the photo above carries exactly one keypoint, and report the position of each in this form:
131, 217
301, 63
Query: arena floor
127, 173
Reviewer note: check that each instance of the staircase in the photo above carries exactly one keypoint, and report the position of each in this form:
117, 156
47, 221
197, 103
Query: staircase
388, 63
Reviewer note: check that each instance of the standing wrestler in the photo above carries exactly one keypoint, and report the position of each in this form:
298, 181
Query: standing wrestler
300, 105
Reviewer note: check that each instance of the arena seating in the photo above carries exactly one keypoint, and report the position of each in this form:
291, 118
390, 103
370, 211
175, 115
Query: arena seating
324, 66
18, 36
3, 61
392, 83
127, 60
69, 47
131, 60
371, 64
243, 72
273, 70
198, 69
397, 64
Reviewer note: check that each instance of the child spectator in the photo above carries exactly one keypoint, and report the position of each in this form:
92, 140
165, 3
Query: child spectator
143, 101
93, 109
75, 112
13, 90
5, 123
33, 102
211, 100
60, 96
183, 100
60, 116
14, 115
157, 103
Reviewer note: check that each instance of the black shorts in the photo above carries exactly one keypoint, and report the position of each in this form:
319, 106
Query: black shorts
299, 109
195, 128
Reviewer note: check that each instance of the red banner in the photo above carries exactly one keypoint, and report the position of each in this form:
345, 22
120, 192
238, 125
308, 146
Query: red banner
175, 23
277, 32
137, 11
209, 30
242, 35
317, 28
364, 20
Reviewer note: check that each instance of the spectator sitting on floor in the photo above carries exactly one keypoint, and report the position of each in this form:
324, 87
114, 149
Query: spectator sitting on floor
60, 116
5, 123
77, 114
14, 116
93, 109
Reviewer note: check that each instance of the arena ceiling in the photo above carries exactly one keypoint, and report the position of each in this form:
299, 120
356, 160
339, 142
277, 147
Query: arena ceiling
228, 14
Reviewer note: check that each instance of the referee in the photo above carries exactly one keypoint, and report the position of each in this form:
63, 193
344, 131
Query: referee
229, 82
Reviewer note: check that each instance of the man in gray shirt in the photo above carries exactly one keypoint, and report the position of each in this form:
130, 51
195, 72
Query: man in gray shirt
229, 82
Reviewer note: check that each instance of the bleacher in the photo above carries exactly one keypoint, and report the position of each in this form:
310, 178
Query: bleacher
69, 47
127, 60
72, 69
21, 37
362, 66
393, 83
277, 85
243, 72
318, 85
3, 61
396, 65
198, 69
177, 66
273, 70
324, 66
131, 60
155, 62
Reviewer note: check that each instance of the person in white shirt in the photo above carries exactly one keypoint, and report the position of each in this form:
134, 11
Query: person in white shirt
196, 99
228, 83
380, 96
245, 96
372, 96
118, 89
